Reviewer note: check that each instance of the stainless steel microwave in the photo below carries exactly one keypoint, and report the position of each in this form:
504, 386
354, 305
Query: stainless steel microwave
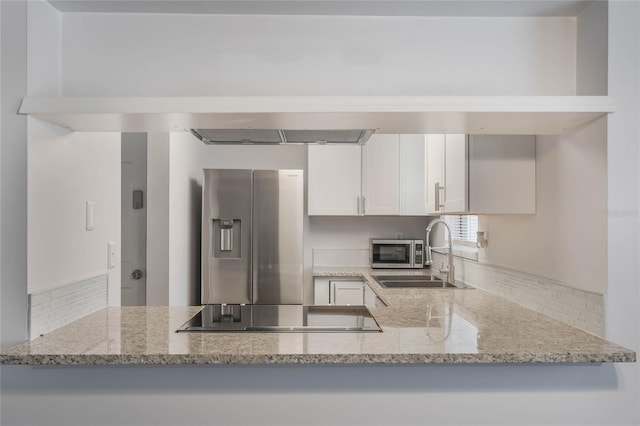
396, 253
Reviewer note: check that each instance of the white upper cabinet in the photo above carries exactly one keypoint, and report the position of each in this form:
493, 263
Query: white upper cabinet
334, 180
424, 174
391, 181
413, 175
354, 180
381, 175
486, 174
435, 173
455, 173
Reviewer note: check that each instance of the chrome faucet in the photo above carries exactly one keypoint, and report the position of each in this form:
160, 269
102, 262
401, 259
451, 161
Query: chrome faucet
448, 269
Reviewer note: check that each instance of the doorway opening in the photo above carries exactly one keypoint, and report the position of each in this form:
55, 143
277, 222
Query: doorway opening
134, 219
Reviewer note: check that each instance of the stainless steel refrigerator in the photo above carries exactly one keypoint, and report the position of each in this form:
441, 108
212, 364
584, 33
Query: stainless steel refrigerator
252, 237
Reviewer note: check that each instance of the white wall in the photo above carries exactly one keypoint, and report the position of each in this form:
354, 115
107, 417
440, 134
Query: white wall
252, 156
622, 320
65, 170
189, 55
491, 395
45, 49
185, 207
591, 52
13, 174
566, 239
158, 219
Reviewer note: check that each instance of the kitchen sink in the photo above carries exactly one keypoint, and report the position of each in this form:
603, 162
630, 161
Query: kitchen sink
416, 284
412, 281
431, 278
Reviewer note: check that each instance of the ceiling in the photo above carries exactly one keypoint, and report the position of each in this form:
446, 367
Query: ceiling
498, 8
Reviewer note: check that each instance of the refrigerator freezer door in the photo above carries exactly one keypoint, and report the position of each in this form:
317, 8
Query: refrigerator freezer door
226, 237
277, 236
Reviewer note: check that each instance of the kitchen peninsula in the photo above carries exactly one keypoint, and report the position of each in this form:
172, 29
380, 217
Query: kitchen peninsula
491, 51
420, 326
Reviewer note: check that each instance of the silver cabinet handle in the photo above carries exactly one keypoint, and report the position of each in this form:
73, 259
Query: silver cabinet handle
364, 210
438, 188
358, 204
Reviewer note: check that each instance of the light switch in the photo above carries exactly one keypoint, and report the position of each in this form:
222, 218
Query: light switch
111, 257
90, 214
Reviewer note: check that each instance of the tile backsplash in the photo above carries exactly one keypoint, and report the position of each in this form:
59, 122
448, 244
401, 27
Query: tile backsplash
579, 308
54, 308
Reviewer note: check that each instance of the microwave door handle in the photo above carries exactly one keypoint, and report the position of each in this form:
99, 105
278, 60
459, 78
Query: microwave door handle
412, 255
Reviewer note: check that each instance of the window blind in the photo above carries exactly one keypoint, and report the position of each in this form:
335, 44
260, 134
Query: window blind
463, 228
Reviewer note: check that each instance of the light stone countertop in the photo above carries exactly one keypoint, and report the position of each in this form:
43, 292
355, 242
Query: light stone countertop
466, 326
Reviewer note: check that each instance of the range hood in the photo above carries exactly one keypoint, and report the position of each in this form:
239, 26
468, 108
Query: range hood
277, 136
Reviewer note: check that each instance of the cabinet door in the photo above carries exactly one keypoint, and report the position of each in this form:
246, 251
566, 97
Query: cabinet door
455, 174
435, 172
371, 299
381, 175
321, 291
347, 292
334, 184
413, 175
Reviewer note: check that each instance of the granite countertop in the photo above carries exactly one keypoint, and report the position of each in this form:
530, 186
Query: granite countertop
420, 326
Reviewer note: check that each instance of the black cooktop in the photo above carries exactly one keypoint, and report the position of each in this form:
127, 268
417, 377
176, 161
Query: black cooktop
282, 318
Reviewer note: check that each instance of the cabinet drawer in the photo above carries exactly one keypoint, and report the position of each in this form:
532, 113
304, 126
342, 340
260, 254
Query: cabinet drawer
346, 292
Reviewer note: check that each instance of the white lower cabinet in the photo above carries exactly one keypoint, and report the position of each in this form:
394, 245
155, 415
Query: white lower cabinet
371, 299
346, 292
341, 291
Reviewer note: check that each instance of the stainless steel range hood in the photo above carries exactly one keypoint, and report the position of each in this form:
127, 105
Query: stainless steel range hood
277, 136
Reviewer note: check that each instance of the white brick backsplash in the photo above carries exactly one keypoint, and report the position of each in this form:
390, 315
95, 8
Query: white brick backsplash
578, 308
52, 309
